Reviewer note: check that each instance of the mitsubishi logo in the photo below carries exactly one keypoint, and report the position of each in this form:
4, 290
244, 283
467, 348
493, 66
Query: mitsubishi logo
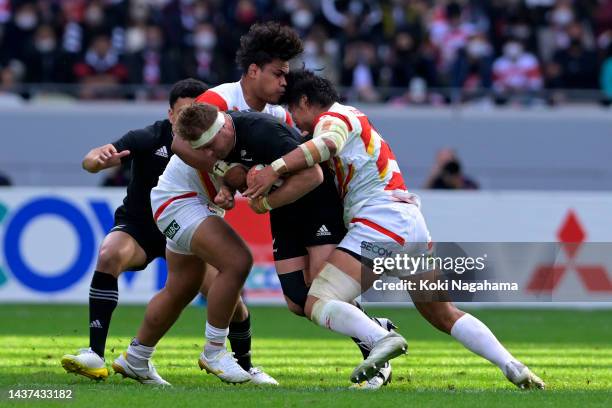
571, 235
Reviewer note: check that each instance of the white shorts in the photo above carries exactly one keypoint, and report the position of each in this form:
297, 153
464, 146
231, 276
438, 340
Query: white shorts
178, 215
384, 230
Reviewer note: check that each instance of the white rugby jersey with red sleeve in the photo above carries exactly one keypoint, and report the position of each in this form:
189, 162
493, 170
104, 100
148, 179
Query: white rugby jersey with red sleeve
229, 96
179, 178
366, 169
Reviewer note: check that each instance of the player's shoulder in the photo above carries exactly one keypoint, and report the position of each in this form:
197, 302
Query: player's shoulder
160, 131
350, 115
223, 96
153, 136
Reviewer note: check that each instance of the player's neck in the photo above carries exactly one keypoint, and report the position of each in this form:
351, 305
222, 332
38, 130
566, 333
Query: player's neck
249, 96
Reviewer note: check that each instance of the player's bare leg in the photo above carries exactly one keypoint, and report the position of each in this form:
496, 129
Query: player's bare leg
328, 305
441, 313
118, 252
216, 242
185, 275
240, 335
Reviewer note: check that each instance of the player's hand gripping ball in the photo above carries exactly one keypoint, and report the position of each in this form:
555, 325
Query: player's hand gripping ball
253, 172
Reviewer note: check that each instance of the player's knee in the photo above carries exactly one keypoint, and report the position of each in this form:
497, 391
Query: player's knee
110, 261
239, 265
333, 284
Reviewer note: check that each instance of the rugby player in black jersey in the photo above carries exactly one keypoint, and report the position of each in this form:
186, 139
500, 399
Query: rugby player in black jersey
135, 240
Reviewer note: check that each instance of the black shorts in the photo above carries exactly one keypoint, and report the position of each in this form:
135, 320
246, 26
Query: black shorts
315, 219
145, 233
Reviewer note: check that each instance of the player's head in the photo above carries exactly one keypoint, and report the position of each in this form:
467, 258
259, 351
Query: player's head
306, 96
183, 93
206, 129
264, 56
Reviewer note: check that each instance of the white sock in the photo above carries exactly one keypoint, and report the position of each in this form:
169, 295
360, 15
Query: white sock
347, 319
216, 335
138, 355
477, 338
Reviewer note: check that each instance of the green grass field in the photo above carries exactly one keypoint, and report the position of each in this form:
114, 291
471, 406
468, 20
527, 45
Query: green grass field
570, 350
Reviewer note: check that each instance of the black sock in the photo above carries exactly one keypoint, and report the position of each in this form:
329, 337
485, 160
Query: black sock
240, 339
103, 296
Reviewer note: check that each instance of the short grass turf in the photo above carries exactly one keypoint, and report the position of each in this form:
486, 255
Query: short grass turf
571, 350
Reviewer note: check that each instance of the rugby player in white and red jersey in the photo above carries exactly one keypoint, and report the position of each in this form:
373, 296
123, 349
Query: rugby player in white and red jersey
302, 238
377, 209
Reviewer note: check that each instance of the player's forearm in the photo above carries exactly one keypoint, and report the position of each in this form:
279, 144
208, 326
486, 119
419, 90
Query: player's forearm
192, 157
296, 186
292, 162
306, 155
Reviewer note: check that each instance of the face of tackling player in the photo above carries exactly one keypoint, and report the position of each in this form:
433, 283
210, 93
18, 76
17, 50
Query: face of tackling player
304, 114
270, 81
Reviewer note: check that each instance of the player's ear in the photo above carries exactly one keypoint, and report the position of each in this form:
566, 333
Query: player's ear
252, 70
304, 103
170, 116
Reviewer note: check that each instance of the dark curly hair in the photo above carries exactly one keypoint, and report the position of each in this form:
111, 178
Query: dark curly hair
266, 42
317, 89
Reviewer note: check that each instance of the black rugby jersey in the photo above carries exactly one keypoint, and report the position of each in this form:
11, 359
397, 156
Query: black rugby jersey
150, 150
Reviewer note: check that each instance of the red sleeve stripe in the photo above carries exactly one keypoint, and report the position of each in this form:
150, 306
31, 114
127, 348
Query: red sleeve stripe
366, 135
213, 98
396, 182
162, 207
208, 185
380, 229
336, 115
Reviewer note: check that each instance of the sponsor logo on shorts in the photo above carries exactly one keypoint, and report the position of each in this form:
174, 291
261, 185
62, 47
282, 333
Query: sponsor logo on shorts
372, 248
172, 229
323, 231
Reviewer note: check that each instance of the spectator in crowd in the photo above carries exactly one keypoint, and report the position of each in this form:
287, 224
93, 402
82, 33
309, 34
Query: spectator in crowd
516, 72
321, 53
471, 70
101, 70
205, 61
360, 71
449, 33
409, 68
44, 59
447, 173
412, 46
574, 67
363, 15
149, 64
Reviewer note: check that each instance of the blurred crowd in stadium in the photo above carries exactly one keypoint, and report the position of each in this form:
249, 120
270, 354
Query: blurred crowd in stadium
377, 51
